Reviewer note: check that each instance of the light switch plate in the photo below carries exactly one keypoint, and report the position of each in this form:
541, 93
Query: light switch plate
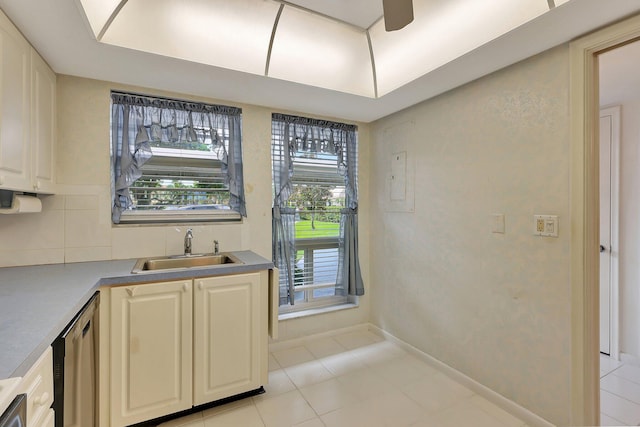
545, 225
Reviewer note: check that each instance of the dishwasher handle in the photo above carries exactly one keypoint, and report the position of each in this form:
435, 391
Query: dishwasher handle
86, 312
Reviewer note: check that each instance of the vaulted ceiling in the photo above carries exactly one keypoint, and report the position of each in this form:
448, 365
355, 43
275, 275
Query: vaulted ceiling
326, 57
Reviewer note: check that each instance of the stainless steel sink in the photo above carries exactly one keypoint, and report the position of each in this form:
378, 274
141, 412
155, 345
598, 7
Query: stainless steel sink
184, 261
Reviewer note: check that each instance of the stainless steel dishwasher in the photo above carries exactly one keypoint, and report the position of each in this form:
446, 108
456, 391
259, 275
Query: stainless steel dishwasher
74, 369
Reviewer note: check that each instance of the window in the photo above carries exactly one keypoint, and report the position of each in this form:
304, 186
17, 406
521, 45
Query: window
314, 166
175, 161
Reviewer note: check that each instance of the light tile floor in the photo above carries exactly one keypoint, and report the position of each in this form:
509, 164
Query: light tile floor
619, 393
354, 379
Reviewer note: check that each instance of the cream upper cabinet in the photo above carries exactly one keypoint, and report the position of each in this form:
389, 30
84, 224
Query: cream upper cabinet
227, 336
27, 115
15, 103
151, 351
43, 125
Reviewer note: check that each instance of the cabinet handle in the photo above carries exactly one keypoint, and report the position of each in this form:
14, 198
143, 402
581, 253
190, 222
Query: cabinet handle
200, 285
42, 400
1, 180
185, 287
130, 291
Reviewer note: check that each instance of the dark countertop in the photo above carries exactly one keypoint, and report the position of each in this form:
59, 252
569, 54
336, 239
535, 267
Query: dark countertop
37, 302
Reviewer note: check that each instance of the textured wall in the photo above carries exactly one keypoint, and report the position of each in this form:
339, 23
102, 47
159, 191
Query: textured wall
494, 306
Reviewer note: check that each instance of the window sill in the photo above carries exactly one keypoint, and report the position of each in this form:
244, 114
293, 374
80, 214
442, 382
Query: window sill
316, 311
178, 217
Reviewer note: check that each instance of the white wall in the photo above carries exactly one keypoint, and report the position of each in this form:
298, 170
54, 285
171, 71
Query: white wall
494, 306
75, 224
629, 265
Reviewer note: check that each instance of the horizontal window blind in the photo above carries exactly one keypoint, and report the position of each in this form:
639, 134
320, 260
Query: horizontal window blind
180, 183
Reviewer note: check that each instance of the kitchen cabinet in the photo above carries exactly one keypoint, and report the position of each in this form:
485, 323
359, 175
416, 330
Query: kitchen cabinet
227, 336
38, 386
27, 115
49, 420
43, 125
174, 345
151, 349
15, 103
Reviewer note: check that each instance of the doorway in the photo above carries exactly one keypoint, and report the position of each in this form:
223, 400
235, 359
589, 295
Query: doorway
585, 214
619, 241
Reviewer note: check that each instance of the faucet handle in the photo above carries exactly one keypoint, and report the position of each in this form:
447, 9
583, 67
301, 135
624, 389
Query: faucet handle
216, 247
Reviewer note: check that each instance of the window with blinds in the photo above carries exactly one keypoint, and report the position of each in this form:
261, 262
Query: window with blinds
178, 186
183, 177
317, 197
180, 182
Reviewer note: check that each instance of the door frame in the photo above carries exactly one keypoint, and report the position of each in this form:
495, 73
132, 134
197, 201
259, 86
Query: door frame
584, 189
614, 305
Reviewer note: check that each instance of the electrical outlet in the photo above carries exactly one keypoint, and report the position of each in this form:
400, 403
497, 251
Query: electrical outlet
545, 225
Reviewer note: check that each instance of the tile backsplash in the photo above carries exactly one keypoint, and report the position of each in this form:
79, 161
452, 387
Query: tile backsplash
77, 228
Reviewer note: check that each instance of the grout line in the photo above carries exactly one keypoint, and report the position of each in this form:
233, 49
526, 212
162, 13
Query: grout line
621, 397
613, 372
613, 418
614, 369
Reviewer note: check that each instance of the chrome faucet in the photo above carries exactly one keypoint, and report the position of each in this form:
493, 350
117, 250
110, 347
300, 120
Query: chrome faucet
187, 242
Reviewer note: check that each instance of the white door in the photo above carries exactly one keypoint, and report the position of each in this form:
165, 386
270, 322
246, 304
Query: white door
605, 233
609, 229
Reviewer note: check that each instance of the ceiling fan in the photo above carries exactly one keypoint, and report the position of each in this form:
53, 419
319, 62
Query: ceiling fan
397, 14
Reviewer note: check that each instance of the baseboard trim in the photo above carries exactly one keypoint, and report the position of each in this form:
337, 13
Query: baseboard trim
497, 399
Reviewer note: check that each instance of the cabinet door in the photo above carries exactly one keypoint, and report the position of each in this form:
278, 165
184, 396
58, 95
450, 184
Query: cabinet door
49, 420
227, 336
15, 72
43, 124
38, 385
151, 355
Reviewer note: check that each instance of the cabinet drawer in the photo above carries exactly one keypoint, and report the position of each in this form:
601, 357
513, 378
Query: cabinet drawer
38, 385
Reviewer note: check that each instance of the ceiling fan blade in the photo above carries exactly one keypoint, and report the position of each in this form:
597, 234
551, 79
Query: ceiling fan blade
397, 13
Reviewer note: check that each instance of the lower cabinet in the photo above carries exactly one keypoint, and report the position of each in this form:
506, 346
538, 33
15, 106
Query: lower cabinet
227, 336
49, 419
174, 345
38, 386
151, 335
